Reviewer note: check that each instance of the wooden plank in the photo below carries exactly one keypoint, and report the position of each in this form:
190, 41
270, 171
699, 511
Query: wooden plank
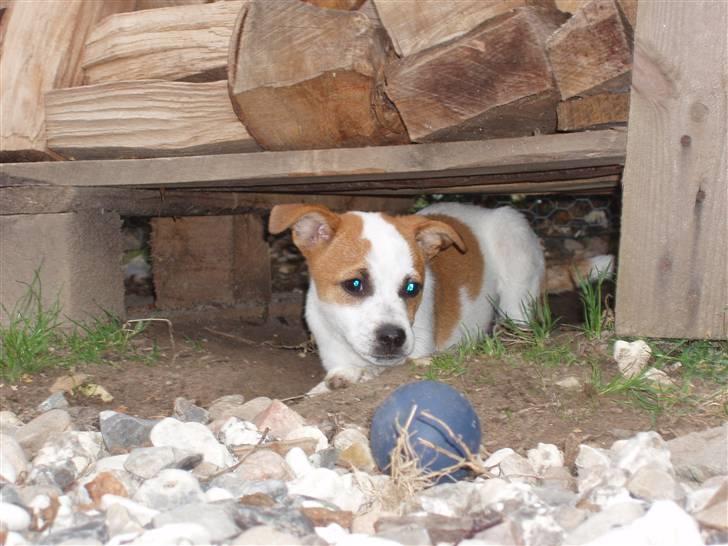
41, 50
187, 42
497, 156
595, 111
673, 267
144, 118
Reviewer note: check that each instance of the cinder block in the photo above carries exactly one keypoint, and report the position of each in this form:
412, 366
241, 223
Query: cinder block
76, 255
210, 260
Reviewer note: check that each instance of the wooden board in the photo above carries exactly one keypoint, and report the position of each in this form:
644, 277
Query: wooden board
41, 50
595, 111
673, 267
514, 155
144, 118
187, 42
493, 82
415, 25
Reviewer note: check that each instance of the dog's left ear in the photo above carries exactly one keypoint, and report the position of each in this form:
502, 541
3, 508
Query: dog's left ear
434, 236
312, 225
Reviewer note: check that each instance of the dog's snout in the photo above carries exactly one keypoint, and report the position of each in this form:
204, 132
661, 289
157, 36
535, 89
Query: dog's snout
390, 337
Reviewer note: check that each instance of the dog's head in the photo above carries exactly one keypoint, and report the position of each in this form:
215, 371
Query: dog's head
368, 270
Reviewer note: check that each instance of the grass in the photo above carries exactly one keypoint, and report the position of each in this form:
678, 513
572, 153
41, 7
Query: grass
34, 338
597, 317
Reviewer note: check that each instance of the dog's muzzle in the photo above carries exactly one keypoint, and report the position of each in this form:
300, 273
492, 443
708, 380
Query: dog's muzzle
389, 340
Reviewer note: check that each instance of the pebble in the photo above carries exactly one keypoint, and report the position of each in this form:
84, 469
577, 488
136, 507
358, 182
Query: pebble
186, 410
279, 418
64, 458
217, 519
264, 464
694, 455
358, 456
264, 534
349, 436
545, 456
56, 400
147, 462
570, 382
123, 432
251, 408
650, 483
9, 422
13, 462
174, 534
631, 356
168, 490
308, 432
514, 467
191, 436
236, 432
643, 449
600, 523
225, 406
715, 512
34, 434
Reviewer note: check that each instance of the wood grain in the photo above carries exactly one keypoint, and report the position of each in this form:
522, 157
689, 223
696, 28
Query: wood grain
595, 111
134, 119
673, 270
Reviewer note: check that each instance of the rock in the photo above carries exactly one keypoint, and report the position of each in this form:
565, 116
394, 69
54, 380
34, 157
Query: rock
308, 432
112, 462
535, 526
13, 517
326, 458
64, 458
264, 464
600, 523
653, 484
665, 524
251, 408
170, 489
225, 406
54, 401
279, 418
570, 382
631, 357
67, 383
410, 534
298, 462
142, 514
321, 517
658, 376
592, 457
545, 456
357, 456
715, 512
9, 422
514, 467
217, 519
570, 517
13, 462
238, 487
147, 462
174, 534
191, 436
286, 520
236, 432
325, 484
186, 411
439, 528
558, 476
91, 532
120, 521
263, 534
123, 432
106, 483
643, 449
34, 434
349, 436
694, 455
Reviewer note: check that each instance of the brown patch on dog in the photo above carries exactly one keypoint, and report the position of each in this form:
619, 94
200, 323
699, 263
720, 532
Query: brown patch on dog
452, 270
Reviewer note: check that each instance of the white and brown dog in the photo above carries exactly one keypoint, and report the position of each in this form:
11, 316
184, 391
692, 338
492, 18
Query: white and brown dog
385, 288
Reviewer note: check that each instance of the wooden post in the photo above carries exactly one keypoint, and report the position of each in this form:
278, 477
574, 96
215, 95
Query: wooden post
673, 273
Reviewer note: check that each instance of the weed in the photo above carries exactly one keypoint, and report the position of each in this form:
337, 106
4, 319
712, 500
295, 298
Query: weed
699, 359
596, 315
647, 394
447, 364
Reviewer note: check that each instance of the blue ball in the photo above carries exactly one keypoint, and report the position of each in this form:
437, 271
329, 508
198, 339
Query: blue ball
434, 399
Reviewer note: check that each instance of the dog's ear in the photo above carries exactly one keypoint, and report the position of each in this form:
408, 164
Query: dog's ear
434, 236
311, 225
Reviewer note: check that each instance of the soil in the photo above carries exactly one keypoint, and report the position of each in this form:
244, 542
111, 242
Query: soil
518, 402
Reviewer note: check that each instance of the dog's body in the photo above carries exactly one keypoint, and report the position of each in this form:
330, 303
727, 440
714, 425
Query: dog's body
387, 288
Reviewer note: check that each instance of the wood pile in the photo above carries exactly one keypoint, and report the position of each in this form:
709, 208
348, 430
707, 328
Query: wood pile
154, 78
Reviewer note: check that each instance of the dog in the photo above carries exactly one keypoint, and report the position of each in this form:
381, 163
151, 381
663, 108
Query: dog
387, 288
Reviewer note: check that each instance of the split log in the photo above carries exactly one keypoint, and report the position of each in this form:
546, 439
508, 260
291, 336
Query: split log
303, 77
492, 82
571, 6
348, 5
592, 52
41, 50
156, 4
186, 43
592, 112
139, 119
415, 25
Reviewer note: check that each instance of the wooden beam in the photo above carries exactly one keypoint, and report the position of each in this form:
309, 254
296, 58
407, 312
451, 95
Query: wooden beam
673, 267
293, 168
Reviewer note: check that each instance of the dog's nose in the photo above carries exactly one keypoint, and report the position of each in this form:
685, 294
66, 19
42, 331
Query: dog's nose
390, 337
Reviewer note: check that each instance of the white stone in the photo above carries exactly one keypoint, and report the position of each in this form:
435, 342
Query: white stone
236, 432
631, 357
336, 535
309, 432
492, 462
347, 437
570, 382
654, 484
698, 498
13, 462
602, 522
264, 464
191, 436
665, 524
9, 421
120, 522
643, 449
514, 467
114, 462
298, 462
169, 489
215, 494
694, 455
74, 451
142, 514
545, 456
13, 518
591, 457
262, 534
15, 539
174, 534
327, 485
34, 434
659, 377
215, 518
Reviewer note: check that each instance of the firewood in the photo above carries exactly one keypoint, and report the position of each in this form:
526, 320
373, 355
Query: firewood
155, 4
595, 111
41, 49
138, 119
415, 25
570, 6
336, 4
187, 42
493, 82
592, 52
303, 77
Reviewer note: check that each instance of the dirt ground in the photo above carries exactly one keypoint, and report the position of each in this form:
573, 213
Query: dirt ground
518, 402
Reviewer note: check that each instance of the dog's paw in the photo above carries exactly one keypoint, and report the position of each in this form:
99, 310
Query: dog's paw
341, 378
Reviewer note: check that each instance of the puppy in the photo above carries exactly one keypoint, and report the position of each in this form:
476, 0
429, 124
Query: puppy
385, 288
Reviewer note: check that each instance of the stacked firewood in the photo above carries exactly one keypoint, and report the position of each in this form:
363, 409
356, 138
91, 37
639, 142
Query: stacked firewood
148, 78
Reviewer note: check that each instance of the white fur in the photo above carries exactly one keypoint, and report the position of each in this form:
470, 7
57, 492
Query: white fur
514, 270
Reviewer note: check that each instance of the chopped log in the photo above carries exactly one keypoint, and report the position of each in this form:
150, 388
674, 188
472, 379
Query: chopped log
312, 84
629, 10
186, 43
138, 119
570, 6
348, 5
492, 82
592, 52
155, 4
41, 49
415, 25
595, 111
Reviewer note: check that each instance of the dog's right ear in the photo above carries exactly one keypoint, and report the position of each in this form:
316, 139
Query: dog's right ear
311, 225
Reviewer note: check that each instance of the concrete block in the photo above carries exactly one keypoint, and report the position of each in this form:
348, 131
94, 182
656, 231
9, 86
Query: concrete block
77, 256
210, 260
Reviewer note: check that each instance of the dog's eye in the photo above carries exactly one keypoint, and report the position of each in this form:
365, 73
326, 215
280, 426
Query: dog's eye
411, 289
354, 286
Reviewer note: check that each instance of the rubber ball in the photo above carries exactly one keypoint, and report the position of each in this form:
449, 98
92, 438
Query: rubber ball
440, 415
